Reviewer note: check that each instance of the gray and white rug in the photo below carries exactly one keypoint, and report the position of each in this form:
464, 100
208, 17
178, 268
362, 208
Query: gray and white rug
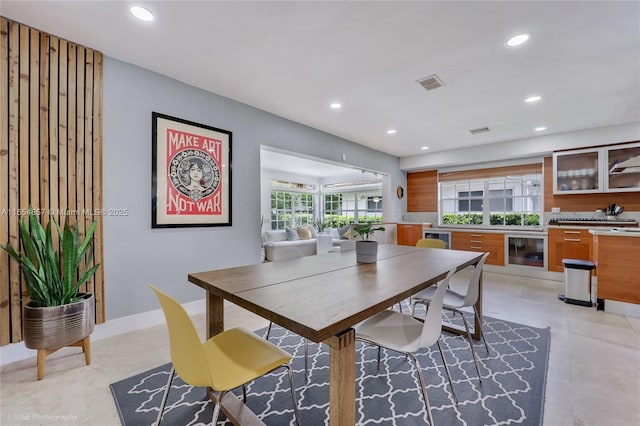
512, 389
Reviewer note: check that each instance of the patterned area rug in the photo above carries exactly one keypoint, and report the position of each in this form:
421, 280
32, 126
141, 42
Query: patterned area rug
512, 389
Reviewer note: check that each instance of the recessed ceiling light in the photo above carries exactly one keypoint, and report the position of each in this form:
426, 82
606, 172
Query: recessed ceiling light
518, 40
391, 131
532, 99
335, 105
539, 129
424, 148
141, 13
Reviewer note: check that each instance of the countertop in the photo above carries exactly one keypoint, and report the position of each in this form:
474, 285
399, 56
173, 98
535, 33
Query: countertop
617, 232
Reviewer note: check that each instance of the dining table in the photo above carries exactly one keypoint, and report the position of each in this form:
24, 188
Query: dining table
321, 298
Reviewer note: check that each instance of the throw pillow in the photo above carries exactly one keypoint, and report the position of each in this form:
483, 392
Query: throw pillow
313, 230
303, 232
292, 235
342, 231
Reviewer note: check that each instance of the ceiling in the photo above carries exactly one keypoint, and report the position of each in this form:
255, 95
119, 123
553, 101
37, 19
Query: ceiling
294, 58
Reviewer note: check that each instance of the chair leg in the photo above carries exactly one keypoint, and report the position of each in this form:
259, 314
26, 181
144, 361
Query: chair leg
379, 349
268, 331
423, 387
400, 307
446, 368
486, 345
166, 394
293, 395
306, 360
244, 393
216, 408
413, 306
473, 351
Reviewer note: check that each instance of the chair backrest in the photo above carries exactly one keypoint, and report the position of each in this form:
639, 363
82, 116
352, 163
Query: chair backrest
473, 291
187, 354
285, 253
431, 242
432, 326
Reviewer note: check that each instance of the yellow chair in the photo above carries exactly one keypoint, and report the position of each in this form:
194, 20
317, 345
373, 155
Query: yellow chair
431, 242
224, 362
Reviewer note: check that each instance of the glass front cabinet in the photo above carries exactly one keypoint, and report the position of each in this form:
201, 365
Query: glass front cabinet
613, 168
623, 168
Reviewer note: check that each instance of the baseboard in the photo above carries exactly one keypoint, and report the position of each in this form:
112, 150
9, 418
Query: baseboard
17, 351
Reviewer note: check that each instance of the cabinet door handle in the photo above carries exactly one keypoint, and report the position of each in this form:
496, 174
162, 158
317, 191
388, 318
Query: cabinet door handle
476, 248
572, 232
573, 240
476, 235
476, 241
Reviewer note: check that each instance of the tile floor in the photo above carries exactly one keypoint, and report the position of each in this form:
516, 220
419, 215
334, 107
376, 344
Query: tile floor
593, 378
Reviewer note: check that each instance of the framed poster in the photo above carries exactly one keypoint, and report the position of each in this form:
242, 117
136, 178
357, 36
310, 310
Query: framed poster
191, 174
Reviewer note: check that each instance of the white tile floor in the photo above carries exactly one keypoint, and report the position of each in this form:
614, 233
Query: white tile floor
593, 379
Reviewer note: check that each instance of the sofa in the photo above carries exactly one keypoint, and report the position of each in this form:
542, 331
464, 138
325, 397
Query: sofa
304, 240
277, 242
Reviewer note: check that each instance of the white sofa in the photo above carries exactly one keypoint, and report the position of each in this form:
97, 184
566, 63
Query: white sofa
273, 241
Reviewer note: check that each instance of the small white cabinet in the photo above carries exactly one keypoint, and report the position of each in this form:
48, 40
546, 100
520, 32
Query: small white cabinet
614, 168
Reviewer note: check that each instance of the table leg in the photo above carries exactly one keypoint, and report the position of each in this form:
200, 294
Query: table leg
342, 378
215, 315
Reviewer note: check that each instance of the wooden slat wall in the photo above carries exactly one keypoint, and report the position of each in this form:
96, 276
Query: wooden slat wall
584, 202
50, 149
422, 191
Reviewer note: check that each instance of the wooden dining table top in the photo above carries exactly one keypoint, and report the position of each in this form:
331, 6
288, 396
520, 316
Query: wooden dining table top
320, 296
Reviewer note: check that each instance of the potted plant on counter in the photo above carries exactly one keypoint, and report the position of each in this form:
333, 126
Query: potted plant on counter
366, 249
322, 226
57, 314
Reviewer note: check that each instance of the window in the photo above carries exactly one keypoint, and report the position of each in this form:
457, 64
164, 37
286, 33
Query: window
291, 204
509, 200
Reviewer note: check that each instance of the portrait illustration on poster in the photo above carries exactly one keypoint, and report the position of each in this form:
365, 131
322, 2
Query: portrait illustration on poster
191, 174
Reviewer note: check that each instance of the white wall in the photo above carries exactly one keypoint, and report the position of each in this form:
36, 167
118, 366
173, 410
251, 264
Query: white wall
523, 148
134, 254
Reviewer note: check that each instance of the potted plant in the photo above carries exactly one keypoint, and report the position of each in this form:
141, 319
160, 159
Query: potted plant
322, 225
366, 249
57, 313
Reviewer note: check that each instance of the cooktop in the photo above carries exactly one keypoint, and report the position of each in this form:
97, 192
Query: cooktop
592, 221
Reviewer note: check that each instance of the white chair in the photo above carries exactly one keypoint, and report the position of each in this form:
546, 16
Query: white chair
402, 333
288, 253
455, 301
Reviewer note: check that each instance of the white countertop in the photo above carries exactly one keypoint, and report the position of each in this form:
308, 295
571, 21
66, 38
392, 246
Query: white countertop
617, 232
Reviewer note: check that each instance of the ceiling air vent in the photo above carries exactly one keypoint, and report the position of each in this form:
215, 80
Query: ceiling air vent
431, 82
479, 130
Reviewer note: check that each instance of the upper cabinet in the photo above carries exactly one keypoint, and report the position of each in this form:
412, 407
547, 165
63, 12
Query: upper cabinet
605, 169
623, 168
577, 172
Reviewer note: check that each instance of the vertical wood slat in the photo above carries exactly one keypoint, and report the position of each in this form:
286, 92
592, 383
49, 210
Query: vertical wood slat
97, 177
63, 103
41, 160
34, 116
79, 167
50, 149
88, 153
49, 159
5, 309
14, 145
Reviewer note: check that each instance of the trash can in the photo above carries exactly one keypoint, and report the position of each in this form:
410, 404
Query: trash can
577, 280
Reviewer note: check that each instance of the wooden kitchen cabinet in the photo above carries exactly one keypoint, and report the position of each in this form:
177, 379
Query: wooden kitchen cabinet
481, 242
409, 234
568, 244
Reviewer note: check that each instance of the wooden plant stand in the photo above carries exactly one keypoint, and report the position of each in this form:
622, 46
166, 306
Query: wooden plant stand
85, 344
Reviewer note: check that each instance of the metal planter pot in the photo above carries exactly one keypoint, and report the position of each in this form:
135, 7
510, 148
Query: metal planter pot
58, 326
366, 251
